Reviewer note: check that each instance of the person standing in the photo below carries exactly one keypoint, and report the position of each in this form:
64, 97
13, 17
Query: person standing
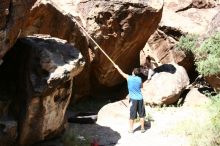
149, 66
136, 102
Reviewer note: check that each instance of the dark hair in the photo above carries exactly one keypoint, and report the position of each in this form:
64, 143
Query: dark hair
148, 62
137, 71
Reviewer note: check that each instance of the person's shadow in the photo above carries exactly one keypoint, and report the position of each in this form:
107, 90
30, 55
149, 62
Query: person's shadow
147, 125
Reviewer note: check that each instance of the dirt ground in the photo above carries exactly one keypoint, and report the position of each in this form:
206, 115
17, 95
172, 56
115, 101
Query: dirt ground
111, 128
113, 131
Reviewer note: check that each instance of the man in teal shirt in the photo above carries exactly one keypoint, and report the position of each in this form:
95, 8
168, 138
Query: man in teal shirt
134, 83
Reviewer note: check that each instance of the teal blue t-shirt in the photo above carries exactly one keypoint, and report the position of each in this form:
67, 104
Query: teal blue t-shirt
134, 87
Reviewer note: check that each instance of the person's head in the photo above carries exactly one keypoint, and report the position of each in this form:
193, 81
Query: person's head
136, 72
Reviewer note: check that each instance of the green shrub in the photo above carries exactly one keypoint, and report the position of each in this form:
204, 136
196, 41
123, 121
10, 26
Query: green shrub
187, 43
208, 56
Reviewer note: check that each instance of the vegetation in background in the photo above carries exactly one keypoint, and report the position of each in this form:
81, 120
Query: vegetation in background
204, 129
207, 55
187, 43
214, 110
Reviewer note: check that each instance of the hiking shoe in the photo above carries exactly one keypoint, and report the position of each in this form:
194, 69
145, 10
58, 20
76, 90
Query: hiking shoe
130, 131
143, 130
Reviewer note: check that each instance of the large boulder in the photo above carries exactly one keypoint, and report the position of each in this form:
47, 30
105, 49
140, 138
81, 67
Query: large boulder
166, 85
117, 112
121, 28
46, 68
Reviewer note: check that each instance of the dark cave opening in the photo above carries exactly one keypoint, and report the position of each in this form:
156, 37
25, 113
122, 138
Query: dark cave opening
12, 73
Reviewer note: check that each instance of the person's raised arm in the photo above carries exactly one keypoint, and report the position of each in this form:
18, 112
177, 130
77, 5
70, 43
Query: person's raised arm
121, 72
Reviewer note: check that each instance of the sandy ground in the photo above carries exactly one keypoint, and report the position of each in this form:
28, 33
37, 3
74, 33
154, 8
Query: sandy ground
111, 128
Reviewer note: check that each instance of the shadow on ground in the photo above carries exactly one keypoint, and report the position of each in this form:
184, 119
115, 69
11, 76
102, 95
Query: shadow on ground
147, 125
84, 135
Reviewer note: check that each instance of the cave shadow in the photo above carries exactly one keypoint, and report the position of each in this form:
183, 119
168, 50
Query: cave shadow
84, 134
102, 134
93, 103
88, 105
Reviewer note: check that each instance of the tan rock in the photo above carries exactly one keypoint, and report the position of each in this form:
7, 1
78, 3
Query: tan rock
166, 85
121, 29
118, 110
195, 98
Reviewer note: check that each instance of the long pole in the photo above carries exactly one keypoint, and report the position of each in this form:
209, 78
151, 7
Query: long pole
93, 41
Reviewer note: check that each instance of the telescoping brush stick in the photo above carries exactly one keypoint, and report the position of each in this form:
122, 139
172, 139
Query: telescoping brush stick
93, 41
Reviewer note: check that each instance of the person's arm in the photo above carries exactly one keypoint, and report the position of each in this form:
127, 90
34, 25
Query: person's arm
150, 74
121, 72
